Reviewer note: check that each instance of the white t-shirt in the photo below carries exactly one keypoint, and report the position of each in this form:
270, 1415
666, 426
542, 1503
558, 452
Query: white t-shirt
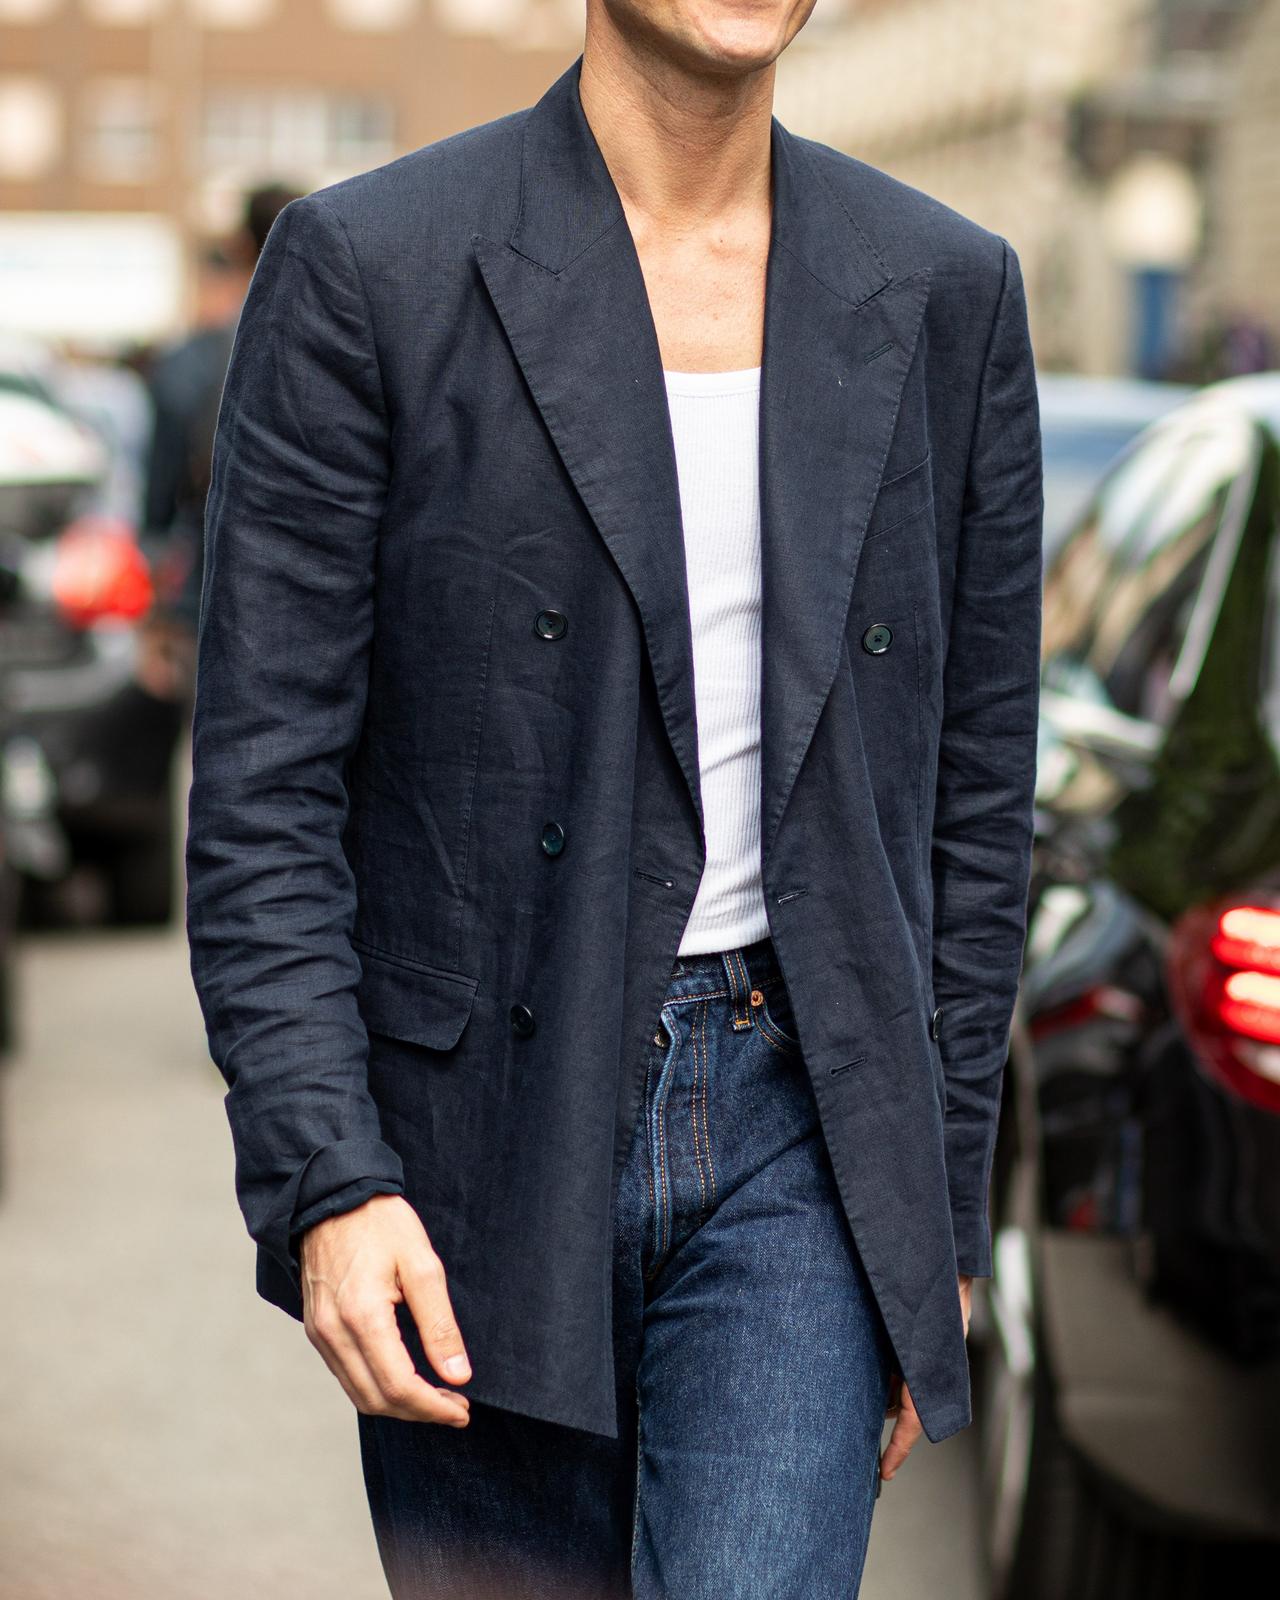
715, 424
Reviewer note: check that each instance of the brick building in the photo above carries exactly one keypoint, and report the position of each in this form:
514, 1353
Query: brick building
1244, 274
158, 113
1029, 117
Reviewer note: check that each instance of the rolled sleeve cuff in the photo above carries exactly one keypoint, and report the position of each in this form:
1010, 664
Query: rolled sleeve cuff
334, 1178
333, 1205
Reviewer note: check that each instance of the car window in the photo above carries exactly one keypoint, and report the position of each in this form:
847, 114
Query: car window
1075, 458
1120, 594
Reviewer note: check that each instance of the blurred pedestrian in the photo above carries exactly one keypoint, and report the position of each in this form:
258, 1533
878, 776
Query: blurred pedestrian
614, 759
185, 381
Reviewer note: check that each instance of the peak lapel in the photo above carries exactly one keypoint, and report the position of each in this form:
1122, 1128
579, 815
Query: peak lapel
568, 287
840, 333
839, 337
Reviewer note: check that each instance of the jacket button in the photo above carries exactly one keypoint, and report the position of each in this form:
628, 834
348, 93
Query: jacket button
522, 1020
552, 838
935, 1023
877, 638
550, 624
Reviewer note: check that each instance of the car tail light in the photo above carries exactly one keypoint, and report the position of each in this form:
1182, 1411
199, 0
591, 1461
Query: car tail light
99, 573
1224, 981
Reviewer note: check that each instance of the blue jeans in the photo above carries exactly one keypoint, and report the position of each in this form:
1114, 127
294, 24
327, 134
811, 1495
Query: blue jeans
753, 1365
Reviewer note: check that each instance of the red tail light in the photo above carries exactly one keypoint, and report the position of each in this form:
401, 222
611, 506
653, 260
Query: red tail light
100, 574
1224, 980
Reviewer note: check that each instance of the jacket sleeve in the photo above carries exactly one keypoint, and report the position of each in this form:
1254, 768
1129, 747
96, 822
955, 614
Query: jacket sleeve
984, 816
299, 476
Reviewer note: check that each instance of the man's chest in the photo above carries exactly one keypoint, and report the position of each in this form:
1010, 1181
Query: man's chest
706, 295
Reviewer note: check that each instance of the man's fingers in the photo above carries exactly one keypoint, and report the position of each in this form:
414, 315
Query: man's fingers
356, 1267
402, 1390
343, 1358
422, 1281
906, 1430
361, 1353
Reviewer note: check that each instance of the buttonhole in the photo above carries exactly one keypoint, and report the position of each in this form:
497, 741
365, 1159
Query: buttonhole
666, 883
879, 351
845, 1065
791, 894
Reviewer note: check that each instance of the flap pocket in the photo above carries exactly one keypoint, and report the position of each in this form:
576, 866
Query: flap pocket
902, 497
412, 1001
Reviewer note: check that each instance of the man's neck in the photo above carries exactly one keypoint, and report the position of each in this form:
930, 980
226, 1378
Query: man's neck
686, 148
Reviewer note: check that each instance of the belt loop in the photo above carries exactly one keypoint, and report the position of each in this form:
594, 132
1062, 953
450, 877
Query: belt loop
739, 986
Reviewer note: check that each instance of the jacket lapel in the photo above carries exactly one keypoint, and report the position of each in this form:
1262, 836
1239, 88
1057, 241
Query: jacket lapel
568, 287
840, 332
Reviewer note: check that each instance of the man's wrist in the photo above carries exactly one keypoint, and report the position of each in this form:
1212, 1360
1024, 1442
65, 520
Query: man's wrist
340, 1201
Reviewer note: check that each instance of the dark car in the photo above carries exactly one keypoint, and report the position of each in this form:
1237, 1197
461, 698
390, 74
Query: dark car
1127, 1345
1086, 423
95, 693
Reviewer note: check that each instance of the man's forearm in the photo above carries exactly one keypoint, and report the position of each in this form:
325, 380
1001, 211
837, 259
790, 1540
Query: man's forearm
286, 623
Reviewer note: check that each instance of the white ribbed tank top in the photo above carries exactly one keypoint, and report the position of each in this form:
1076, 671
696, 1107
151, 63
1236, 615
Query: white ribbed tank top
715, 425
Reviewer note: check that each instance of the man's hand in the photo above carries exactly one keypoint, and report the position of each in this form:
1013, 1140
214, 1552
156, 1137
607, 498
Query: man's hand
907, 1428
356, 1267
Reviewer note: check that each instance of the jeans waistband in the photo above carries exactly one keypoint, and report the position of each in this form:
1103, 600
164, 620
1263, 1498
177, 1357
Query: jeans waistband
739, 970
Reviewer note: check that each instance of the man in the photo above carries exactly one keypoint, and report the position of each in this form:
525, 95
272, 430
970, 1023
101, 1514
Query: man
185, 383
612, 815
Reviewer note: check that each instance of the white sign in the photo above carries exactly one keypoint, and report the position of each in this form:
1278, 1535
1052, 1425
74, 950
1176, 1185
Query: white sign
95, 277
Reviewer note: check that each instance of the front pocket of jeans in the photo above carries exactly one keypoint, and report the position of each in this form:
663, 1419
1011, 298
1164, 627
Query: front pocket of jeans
775, 1018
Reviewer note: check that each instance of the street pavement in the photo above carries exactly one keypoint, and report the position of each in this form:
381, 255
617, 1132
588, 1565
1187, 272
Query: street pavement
165, 1433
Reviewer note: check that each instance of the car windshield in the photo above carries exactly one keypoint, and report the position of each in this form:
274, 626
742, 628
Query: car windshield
1076, 456
1120, 593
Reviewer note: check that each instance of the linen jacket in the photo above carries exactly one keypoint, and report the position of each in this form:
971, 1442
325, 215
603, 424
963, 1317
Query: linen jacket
445, 605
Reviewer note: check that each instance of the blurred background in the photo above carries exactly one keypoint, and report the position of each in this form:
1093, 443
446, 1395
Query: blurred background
162, 1430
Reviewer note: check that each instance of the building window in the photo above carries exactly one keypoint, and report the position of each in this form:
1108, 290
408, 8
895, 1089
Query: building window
27, 10
492, 17
30, 127
520, 24
238, 14
372, 16
124, 13
121, 135
294, 131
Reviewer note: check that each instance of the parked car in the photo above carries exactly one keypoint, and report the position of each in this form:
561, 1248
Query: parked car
94, 699
1086, 423
1127, 1360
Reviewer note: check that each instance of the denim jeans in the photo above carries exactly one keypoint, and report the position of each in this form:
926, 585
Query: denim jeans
752, 1362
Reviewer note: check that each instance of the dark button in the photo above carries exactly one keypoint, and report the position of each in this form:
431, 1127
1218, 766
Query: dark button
550, 624
935, 1023
552, 838
522, 1020
877, 638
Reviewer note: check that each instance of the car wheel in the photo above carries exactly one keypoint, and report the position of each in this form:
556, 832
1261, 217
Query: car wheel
1005, 1404
1054, 1527
1048, 1535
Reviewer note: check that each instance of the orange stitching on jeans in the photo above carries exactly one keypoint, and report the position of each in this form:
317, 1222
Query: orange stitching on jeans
688, 999
773, 1034
658, 1160
662, 1173
706, 1132
648, 1143
746, 984
693, 1117
781, 1045
743, 982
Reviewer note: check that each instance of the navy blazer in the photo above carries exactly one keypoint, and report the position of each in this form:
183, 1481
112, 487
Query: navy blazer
445, 604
